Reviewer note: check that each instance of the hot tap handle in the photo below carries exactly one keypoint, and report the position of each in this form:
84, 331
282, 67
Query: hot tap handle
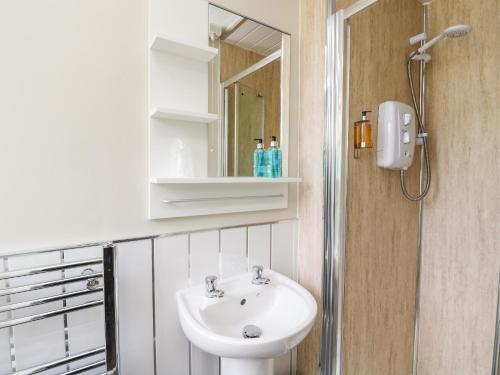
210, 282
257, 271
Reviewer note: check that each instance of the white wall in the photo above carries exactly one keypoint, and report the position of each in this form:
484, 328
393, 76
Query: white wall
178, 261
73, 121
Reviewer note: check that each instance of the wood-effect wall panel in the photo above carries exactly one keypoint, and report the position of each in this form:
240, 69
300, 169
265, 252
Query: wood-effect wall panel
382, 227
312, 116
461, 249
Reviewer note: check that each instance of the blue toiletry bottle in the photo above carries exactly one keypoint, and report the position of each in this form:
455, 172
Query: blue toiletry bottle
267, 167
274, 158
259, 156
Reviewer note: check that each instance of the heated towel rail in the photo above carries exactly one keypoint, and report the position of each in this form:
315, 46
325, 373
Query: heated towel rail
109, 301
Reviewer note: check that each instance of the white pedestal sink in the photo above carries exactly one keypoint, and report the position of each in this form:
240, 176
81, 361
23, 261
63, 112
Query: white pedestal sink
281, 312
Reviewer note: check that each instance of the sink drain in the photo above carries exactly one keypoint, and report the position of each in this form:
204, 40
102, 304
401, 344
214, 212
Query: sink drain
251, 332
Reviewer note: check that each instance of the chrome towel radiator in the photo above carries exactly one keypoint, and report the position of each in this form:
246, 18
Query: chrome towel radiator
109, 301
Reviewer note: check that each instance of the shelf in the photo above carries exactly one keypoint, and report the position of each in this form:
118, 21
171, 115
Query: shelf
201, 53
172, 114
225, 180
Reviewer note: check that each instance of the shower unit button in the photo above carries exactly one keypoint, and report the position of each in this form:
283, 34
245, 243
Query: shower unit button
406, 137
407, 119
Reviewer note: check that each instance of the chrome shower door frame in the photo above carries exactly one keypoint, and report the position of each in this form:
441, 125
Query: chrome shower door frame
496, 347
335, 181
335, 185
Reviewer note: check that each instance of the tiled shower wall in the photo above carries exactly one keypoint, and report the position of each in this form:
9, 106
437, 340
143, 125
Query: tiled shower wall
149, 273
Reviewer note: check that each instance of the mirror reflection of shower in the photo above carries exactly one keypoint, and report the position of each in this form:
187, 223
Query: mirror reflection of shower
423, 57
248, 87
245, 119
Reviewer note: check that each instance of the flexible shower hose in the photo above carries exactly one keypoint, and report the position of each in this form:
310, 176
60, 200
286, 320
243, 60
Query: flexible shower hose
402, 178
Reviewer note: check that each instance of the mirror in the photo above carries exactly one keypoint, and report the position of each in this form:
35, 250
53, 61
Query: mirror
248, 89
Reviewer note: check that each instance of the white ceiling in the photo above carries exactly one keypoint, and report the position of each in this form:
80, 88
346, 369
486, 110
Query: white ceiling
221, 17
250, 35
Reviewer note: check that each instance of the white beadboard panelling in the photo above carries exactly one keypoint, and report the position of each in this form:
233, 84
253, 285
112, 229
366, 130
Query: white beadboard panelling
171, 274
204, 261
179, 261
259, 245
5, 364
203, 363
283, 260
135, 307
283, 243
86, 327
204, 255
233, 251
41, 341
86, 331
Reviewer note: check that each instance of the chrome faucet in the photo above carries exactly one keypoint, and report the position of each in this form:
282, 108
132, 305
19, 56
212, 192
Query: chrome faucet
257, 276
211, 288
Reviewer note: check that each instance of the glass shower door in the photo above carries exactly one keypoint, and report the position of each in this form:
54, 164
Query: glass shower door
245, 122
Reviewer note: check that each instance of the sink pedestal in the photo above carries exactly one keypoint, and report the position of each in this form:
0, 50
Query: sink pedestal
233, 366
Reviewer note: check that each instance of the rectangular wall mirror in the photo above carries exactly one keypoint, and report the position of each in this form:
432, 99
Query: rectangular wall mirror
249, 89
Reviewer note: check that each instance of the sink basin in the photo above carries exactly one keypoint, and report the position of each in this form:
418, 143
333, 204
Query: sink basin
281, 312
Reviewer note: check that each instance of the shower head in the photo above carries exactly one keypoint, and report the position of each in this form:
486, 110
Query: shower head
455, 31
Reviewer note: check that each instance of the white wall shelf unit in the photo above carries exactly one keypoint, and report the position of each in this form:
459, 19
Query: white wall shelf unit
170, 200
167, 44
172, 114
179, 59
226, 180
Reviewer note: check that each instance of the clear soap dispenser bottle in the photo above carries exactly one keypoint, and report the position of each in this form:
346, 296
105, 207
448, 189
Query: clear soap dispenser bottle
275, 158
259, 159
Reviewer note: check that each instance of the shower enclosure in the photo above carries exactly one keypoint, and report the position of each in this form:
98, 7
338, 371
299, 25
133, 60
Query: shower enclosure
252, 109
370, 237
249, 89
244, 122
375, 237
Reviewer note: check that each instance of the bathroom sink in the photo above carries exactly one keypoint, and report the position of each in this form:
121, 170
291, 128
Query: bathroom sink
249, 322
